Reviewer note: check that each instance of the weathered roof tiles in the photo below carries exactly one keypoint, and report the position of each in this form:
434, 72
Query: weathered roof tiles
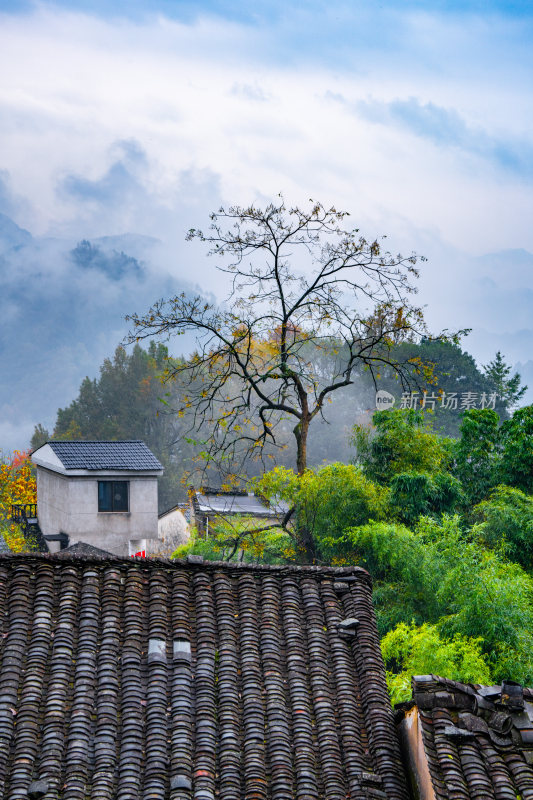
157, 679
84, 549
226, 503
477, 740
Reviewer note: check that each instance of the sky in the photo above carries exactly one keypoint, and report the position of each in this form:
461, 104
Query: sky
126, 123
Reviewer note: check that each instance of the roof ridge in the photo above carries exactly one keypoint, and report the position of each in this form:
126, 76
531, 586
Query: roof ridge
431, 682
95, 441
61, 557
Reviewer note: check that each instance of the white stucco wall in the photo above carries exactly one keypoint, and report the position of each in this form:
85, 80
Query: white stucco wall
173, 531
52, 501
69, 504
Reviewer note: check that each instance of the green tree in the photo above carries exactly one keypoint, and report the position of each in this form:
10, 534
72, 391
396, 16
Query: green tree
401, 441
39, 437
123, 402
477, 453
441, 575
327, 501
416, 494
410, 650
505, 385
452, 371
488, 597
516, 438
506, 522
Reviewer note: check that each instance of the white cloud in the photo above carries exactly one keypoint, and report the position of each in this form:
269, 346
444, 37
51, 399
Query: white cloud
188, 94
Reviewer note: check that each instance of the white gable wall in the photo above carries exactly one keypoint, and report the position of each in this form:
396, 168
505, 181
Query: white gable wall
173, 530
46, 457
52, 501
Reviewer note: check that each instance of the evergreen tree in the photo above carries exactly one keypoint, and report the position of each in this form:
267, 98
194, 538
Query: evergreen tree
506, 386
39, 437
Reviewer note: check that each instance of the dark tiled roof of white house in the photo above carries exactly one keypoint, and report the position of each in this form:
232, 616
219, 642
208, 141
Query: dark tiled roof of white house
477, 740
129, 678
128, 455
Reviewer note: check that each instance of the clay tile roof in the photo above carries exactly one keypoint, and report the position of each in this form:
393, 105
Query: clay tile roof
122, 678
238, 504
477, 740
131, 455
84, 549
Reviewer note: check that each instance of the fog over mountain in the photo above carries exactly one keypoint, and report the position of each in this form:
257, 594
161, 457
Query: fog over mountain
63, 300
62, 307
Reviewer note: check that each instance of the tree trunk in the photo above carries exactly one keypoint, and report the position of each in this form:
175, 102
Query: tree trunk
304, 534
300, 432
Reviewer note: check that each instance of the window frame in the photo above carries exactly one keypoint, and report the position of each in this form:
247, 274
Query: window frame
114, 510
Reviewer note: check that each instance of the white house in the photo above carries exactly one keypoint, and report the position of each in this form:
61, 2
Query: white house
100, 493
209, 506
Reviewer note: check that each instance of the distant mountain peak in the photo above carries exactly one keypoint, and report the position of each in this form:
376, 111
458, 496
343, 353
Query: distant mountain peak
11, 235
135, 244
517, 255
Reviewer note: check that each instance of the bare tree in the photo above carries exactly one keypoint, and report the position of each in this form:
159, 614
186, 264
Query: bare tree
299, 284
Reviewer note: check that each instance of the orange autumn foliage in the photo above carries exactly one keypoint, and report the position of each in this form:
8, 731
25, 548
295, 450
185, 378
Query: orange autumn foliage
17, 485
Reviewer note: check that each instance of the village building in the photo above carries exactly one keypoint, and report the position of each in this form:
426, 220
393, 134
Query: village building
101, 493
173, 528
467, 741
195, 680
209, 506
192, 680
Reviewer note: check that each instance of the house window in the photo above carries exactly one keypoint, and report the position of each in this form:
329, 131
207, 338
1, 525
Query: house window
113, 495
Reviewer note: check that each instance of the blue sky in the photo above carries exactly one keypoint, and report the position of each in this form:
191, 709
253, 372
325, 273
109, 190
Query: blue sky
140, 118
139, 9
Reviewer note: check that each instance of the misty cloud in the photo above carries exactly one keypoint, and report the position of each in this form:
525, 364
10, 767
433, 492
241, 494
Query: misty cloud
5, 194
62, 312
115, 186
118, 185
252, 92
63, 298
10, 203
190, 91
445, 127
123, 127
125, 198
11, 236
